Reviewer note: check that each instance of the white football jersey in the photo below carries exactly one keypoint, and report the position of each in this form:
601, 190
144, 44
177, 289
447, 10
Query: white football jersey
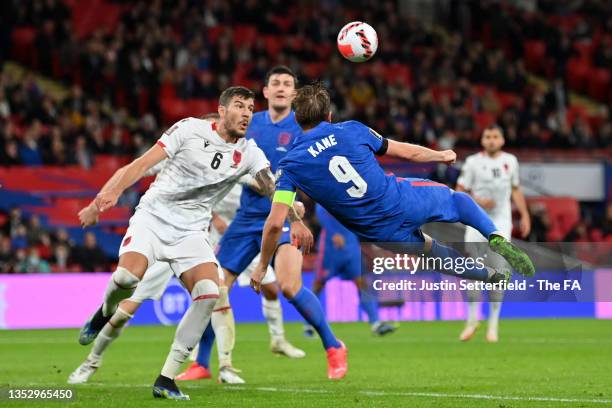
227, 207
492, 178
200, 170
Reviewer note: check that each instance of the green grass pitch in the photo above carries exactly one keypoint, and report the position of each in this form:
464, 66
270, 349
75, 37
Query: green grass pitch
537, 363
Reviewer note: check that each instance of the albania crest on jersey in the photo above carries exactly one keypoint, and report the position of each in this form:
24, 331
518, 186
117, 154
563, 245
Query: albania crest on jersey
237, 157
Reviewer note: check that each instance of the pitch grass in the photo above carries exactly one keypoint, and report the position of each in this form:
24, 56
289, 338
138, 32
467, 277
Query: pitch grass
548, 363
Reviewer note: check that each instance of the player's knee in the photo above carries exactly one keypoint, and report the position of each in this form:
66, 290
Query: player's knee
205, 289
270, 291
223, 303
125, 279
120, 318
290, 288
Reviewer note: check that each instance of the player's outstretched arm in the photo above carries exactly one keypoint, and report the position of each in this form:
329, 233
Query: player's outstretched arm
419, 154
126, 176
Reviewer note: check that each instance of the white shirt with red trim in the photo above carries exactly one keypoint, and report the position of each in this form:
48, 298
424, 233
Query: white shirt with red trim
493, 178
200, 170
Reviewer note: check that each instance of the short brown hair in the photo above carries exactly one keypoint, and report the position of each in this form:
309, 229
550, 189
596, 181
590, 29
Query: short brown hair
312, 105
233, 91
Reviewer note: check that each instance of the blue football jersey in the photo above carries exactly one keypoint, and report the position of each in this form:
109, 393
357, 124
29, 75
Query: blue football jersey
275, 140
335, 165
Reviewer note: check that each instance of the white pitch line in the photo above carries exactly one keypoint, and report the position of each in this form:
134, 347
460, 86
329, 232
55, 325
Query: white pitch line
362, 392
526, 340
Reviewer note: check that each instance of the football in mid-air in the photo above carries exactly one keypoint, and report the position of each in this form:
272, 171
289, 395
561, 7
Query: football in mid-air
357, 41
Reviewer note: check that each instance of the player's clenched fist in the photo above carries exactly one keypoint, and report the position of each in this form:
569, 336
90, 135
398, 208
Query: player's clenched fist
89, 215
257, 276
448, 156
301, 236
106, 200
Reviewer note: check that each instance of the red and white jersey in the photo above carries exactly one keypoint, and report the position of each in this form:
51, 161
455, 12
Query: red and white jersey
493, 178
200, 170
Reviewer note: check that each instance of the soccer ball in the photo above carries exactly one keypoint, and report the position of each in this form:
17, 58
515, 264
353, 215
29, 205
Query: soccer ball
357, 41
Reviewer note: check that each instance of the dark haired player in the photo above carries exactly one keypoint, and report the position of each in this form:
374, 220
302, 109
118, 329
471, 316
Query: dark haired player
274, 130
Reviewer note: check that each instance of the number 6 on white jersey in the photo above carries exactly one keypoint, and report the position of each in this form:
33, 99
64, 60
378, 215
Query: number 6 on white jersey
342, 171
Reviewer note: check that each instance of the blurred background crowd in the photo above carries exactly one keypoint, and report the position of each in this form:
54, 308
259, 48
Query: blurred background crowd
91, 84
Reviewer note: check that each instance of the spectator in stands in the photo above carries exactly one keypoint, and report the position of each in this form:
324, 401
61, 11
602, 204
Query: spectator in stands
62, 238
81, 154
35, 231
90, 256
20, 237
540, 223
603, 54
584, 135
580, 233
10, 155
32, 263
29, 151
20, 261
606, 226
61, 258
6, 255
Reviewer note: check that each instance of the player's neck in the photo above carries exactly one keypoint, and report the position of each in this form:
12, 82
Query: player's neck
225, 135
493, 155
278, 115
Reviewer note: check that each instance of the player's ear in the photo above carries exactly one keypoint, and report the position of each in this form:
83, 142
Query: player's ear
221, 110
265, 92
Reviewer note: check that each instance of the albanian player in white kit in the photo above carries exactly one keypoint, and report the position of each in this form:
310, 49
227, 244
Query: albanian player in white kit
222, 321
492, 178
205, 161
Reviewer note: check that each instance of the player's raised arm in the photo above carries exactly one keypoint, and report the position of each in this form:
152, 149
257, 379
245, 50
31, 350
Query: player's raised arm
126, 176
419, 154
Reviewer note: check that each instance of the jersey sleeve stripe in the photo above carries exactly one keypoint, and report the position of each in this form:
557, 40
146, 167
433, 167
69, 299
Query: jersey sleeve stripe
426, 184
161, 144
284, 197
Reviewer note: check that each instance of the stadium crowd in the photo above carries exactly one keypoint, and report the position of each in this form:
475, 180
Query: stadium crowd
26, 246
426, 85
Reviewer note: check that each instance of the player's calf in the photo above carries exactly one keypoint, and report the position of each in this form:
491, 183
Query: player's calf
121, 286
205, 293
223, 324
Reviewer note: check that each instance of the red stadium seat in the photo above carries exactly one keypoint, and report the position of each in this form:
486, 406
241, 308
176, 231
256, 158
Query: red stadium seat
274, 44
585, 49
575, 111
244, 34
23, 43
534, 54
484, 119
577, 73
563, 212
599, 84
